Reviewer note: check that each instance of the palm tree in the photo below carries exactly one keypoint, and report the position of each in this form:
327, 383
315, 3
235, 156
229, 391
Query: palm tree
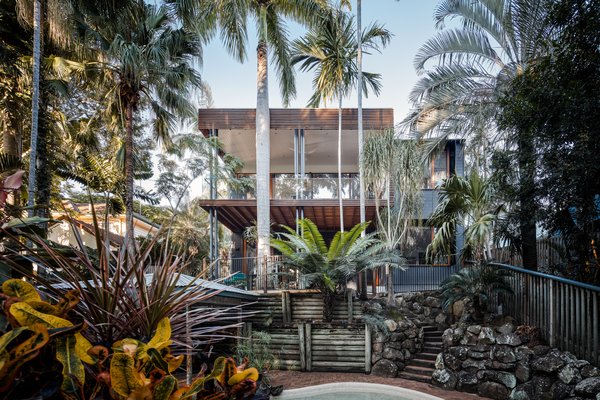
54, 30
330, 50
495, 42
148, 67
467, 201
327, 268
392, 165
231, 17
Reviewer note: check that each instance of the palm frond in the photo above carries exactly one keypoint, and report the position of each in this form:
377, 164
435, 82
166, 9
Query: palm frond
457, 45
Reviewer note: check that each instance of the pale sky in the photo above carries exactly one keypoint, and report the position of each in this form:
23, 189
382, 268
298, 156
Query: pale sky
234, 85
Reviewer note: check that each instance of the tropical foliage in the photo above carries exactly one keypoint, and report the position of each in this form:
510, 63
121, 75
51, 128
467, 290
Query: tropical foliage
392, 168
475, 284
121, 296
466, 202
550, 103
131, 368
327, 268
466, 67
148, 68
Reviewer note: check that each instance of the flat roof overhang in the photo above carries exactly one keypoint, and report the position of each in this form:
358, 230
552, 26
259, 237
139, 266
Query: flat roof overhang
237, 215
295, 118
237, 135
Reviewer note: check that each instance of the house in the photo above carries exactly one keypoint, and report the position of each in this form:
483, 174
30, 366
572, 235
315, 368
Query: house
303, 174
81, 217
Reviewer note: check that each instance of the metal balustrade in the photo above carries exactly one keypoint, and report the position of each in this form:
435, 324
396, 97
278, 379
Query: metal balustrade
414, 278
565, 311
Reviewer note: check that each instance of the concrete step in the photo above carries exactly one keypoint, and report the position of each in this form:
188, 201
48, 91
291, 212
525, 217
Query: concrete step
413, 377
432, 343
427, 356
418, 370
420, 362
432, 349
434, 334
430, 328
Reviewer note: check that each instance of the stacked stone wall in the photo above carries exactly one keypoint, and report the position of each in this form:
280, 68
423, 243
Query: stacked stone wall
504, 361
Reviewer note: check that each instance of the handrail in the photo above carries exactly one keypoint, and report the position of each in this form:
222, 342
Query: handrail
548, 276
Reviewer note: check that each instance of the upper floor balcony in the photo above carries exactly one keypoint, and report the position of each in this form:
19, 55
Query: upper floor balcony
309, 187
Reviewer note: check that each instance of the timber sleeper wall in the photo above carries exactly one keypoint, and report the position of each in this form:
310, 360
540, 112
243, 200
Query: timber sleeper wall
293, 308
320, 347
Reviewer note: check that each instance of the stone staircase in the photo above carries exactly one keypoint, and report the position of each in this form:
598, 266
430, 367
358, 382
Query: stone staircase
422, 365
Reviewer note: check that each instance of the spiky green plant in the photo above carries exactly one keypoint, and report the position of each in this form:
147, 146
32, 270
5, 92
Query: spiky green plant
326, 268
478, 284
469, 202
123, 296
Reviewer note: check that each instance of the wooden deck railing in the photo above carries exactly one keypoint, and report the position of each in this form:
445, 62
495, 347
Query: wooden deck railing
565, 311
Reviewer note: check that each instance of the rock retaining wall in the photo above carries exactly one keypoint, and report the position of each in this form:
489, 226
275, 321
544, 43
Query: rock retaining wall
391, 350
400, 336
503, 361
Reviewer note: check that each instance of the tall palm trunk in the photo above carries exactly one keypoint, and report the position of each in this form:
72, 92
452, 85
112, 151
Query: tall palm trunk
361, 178
35, 101
263, 123
339, 160
388, 268
43, 171
129, 228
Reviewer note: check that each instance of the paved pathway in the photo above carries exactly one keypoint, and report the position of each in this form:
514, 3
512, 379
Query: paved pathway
297, 379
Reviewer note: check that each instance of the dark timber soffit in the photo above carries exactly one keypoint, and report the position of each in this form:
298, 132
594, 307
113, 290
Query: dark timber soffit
237, 215
293, 118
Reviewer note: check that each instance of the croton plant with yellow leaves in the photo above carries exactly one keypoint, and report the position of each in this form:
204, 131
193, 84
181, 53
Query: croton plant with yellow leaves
129, 370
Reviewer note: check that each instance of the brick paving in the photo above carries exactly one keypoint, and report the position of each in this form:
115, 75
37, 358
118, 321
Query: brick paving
297, 379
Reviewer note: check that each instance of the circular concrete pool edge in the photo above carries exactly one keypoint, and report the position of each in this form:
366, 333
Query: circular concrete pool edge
355, 387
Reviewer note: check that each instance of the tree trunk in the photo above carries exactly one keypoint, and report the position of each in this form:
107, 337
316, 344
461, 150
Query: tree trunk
263, 155
389, 284
339, 160
528, 209
129, 228
43, 170
361, 179
35, 100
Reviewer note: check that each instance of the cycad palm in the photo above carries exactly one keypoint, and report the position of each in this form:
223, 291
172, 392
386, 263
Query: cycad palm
325, 268
496, 41
330, 50
148, 68
467, 201
476, 284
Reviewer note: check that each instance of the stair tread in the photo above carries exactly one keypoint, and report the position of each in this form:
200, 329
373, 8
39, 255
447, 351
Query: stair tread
419, 369
426, 358
422, 363
428, 355
413, 377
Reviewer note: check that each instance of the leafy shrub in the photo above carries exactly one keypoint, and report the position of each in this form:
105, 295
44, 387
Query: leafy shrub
130, 369
258, 350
